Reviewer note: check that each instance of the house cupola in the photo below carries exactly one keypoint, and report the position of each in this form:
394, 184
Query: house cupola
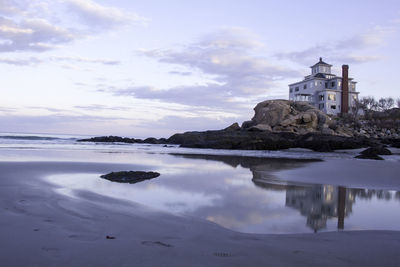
321, 67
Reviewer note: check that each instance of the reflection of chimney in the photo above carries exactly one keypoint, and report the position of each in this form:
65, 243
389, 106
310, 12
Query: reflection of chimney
341, 207
345, 88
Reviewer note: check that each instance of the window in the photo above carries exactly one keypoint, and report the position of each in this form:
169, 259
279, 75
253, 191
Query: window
305, 86
315, 83
332, 97
339, 83
321, 97
321, 106
296, 89
326, 85
332, 84
291, 90
333, 106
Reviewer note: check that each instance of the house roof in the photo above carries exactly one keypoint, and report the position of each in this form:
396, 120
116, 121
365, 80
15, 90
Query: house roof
319, 75
320, 62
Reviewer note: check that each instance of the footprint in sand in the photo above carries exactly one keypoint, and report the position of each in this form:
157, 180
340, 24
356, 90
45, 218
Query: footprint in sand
156, 243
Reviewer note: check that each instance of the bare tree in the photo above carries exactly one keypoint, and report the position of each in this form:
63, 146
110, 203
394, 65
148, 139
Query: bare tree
356, 107
385, 103
398, 102
389, 103
368, 103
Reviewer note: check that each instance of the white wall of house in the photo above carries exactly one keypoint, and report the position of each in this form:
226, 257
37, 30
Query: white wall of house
323, 93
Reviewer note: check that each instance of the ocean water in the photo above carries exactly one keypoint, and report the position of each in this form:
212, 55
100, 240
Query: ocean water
238, 190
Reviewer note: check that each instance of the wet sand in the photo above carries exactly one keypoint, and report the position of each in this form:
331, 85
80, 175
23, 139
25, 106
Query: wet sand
40, 227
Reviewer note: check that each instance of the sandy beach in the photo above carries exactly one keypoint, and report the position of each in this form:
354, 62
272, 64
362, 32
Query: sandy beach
41, 227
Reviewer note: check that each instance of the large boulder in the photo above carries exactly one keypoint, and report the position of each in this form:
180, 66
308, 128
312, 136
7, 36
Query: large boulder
271, 112
287, 116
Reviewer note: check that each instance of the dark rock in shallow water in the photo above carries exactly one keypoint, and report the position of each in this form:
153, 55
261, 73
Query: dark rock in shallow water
374, 152
378, 150
130, 176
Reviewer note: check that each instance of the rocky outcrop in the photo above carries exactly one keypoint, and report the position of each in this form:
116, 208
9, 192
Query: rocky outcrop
288, 116
279, 124
256, 140
130, 177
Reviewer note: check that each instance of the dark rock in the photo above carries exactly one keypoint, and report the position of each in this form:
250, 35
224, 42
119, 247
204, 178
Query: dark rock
118, 139
378, 150
162, 140
234, 127
130, 176
151, 140
253, 140
374, 152
110, 139
248, 124
394, 142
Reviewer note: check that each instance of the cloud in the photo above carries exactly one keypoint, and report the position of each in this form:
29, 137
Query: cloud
182, 73
374, 37
231, 57
85, 60
30, 61
347, 50
43, 25
21, 61
32, 35
351, 59
50, 109
100, 16
96, 107
7, 110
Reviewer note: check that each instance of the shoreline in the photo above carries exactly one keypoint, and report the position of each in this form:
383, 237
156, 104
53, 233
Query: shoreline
52, 229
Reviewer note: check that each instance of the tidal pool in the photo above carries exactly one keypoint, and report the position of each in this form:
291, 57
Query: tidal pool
243, 194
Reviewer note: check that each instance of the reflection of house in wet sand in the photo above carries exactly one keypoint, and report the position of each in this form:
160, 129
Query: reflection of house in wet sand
321, 202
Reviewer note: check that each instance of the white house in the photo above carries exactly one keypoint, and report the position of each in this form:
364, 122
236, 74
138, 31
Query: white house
330, 93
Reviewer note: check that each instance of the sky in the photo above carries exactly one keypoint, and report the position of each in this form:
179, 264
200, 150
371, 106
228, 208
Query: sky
155, 67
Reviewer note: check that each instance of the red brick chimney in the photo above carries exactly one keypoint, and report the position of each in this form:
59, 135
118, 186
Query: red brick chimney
345, 89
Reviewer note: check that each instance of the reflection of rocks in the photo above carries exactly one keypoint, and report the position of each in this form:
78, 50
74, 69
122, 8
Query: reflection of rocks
261, 168
265, 164
240, 206
321, 202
